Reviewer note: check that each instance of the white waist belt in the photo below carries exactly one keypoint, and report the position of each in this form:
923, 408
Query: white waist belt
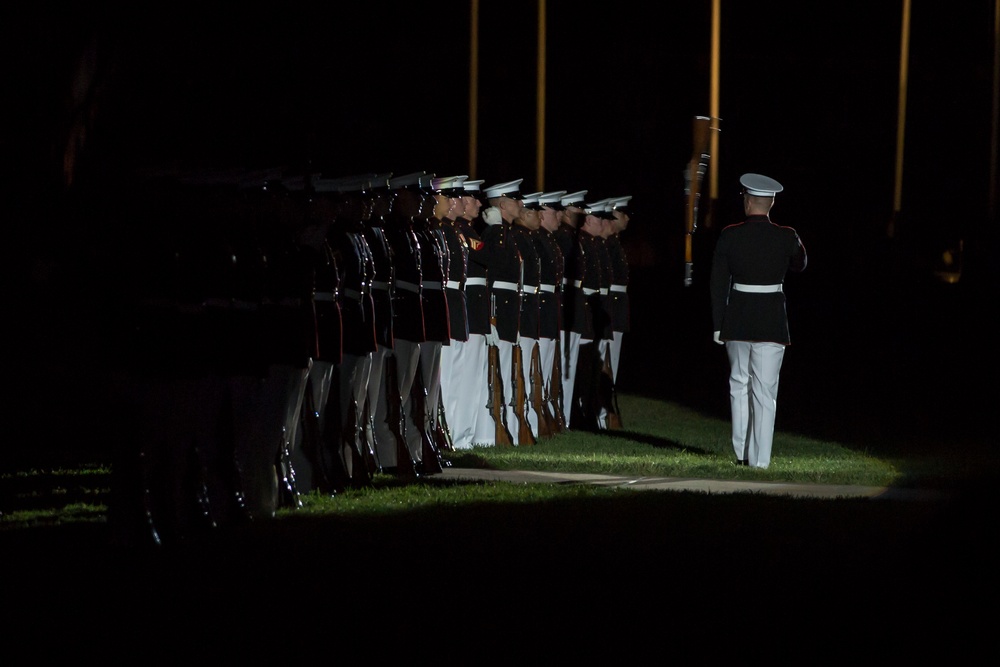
578, 283
503, 284
324, 296
475, 281
408, 286
741, 287
588, 291
530, 289
380, 284
604, 291
454, 284
432, 284
619, 288
547, 288
565, 280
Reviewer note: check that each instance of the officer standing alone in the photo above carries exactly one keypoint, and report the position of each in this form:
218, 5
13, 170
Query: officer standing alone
748, 312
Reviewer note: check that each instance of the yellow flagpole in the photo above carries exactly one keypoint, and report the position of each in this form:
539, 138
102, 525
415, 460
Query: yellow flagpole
473, 87
995, 130
540, 101
904, 57
713, 165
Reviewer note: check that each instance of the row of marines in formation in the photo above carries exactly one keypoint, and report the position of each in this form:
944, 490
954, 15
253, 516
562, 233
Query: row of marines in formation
299, 334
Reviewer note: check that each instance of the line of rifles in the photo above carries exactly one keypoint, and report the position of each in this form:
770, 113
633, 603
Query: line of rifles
356, 464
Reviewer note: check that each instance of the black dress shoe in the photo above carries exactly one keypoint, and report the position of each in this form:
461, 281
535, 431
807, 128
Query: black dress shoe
741, 462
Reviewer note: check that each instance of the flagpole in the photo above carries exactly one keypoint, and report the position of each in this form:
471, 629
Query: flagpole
904, 57
473, 86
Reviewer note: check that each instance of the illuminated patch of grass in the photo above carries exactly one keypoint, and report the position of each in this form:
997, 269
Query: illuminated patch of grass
660, 439
663, 439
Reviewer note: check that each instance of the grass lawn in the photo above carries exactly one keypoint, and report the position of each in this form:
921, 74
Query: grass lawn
498, 567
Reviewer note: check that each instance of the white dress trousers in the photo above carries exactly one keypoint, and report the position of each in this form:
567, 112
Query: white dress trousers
753, 394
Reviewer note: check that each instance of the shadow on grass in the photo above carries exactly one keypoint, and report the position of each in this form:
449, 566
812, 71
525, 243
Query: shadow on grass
469, 459
653, 441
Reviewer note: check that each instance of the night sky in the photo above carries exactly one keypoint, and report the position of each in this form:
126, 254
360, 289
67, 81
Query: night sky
808, 96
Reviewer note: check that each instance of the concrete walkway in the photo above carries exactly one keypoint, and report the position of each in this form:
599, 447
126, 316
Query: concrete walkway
831, 491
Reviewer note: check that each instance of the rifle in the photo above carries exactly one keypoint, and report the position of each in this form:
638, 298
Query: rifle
429, 452
405, 466
609, 396
541, 406
693, 176
494, 399
555, 394
330, 478
368, 426
442, 432
362, 458
520, 402
368, 452
288, 492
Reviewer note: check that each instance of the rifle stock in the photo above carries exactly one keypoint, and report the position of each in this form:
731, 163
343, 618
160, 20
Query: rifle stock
368, 426
288, 492
431, 458
442, 432
609, 395
357, 450
495, 402
326, 481
555, 395
494, 399
405, 466
520, 402
540, 405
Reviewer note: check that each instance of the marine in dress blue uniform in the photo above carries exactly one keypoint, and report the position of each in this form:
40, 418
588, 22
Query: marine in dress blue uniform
590, 316
567, 236
550, 301
504, 276
408, 317
378, 204
620, 306
434, 263
316, 456
358, 312
449, 193
592, 395
471, 421
178, 349
525, 234
288, 310
607, 416
749, 265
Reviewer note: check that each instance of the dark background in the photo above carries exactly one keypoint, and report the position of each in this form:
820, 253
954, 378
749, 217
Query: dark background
809, 95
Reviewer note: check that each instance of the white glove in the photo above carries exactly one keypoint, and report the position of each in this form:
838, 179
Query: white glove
715, 337
493, 337
491, 215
